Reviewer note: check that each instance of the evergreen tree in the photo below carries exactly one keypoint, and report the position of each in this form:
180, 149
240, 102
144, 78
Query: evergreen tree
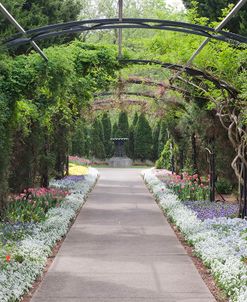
135, 119
132, 136
101, 130
79, 139
168, 156
163, 136
97, 145
123, 125
33, 13
132, 142
156, 133
123, 128
107, 128
114, 130
143, 139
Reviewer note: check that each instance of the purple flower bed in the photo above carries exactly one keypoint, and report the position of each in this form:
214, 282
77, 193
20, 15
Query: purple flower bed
209, 210
74, 178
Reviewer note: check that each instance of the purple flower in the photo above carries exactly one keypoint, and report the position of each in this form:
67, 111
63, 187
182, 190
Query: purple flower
208, 210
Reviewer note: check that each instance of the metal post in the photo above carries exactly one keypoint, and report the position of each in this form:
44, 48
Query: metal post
181, 159
244, 192
212, 174
236, 8
219, 27
120, 31
21, 29
172, 159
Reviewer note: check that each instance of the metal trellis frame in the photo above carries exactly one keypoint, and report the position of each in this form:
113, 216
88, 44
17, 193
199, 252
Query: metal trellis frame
8, 16
55, 30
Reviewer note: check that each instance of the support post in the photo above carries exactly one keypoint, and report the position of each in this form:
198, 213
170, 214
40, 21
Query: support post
231, 14
120, 31
244, 192
212, 173
172, 159
194, 153
12, 20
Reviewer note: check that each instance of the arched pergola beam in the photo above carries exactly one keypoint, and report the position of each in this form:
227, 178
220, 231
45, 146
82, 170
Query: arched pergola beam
110, 101
55, 30
199, 74
151, 95
103, 104
139, 94
145, 81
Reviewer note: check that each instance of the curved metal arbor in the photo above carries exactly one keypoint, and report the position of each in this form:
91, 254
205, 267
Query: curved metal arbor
197, 73
106, 24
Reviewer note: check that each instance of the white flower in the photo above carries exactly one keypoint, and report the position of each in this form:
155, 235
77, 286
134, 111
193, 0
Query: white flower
219, 242
33, 250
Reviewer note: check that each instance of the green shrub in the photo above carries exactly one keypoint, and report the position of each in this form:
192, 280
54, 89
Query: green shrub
224, 186
170, 149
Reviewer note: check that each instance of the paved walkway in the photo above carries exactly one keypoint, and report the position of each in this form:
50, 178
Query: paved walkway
120, 249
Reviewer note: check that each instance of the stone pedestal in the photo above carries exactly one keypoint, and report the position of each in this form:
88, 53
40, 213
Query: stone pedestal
120, 162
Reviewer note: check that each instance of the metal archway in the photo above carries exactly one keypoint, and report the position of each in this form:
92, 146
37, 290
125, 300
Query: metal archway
55, 30
197, 73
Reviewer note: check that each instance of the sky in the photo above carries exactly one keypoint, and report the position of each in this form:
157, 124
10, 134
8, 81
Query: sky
176, 3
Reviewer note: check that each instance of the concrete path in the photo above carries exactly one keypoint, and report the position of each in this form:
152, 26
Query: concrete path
120, 249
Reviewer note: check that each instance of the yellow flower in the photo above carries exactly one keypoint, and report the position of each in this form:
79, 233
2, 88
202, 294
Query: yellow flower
77, 169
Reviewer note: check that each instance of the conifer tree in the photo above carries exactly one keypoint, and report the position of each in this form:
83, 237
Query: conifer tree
114, 130
79, 139
135, 119
123, 125
101, 130
132, 142
132, 136
143, 139
107, 128
123, 128
156, 133
97, 145
163, 136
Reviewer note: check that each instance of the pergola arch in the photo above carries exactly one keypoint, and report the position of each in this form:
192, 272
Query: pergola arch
193, 72
31, 36
55, 30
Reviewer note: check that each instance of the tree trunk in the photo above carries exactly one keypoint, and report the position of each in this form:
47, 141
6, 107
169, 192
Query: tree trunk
194, 153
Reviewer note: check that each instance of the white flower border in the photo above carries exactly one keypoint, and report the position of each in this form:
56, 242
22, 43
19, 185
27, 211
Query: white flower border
220, 243
19, 277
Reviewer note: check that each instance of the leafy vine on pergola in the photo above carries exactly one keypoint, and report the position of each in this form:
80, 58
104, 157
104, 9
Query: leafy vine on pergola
229, 106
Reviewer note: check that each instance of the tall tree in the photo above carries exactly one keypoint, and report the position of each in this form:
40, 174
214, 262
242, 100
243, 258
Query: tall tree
79, 139
135, 119
107, 128
123, 125
115, 129
213, 11
163, 136
132, 136
156, 133
97, 145
35, 13
143, 139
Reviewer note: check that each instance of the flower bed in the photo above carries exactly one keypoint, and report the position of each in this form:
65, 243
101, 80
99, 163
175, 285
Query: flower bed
187, 187
78, 166
24, 247
209, 210
33, 204
219, 242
